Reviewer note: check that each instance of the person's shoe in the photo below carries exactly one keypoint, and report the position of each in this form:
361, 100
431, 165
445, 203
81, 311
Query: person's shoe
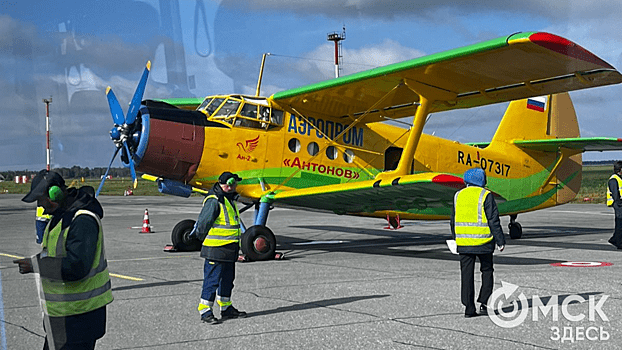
232, 312
469, 315
209, 318
613, 243
483, 309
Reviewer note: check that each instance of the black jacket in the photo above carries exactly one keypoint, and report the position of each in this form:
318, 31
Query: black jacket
81, 247
492, 215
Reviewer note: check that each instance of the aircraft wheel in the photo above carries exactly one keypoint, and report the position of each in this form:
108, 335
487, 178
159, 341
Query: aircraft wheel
180, 238
516, 230
258, 243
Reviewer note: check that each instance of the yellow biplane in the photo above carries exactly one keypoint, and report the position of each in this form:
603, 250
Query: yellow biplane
324, 146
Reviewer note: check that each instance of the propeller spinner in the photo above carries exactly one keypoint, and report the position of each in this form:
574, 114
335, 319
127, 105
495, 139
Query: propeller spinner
124, 134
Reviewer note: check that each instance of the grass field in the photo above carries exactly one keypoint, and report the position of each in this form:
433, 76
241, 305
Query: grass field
593, 185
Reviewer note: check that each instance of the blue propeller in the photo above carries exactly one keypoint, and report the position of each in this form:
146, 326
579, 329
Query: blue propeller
124, 125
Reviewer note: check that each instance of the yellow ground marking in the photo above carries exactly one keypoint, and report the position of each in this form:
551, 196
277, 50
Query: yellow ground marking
111, 274
11, 256
125, 277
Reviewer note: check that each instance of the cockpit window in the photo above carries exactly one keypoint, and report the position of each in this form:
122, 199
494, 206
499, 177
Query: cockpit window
204, 104
214, 105
228, 109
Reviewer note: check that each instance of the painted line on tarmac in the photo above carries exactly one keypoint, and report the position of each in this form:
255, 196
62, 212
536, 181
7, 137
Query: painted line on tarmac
2, 329
11, 256
125, 277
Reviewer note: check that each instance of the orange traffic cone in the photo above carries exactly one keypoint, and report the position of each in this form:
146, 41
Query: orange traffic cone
146, 225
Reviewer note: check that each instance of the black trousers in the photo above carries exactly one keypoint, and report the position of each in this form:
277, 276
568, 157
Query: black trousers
467, 272
617, 231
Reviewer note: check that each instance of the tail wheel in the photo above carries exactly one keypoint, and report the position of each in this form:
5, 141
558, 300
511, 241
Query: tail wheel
258, 243
516, 230
180, 238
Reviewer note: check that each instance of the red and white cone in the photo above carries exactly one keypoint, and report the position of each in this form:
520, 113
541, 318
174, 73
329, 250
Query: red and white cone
146, 225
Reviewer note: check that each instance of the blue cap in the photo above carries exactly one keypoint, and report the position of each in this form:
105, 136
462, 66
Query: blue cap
475, 176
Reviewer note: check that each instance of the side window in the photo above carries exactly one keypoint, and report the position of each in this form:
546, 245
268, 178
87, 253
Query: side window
313, 148
277, 117
248, 112
348, 156
294, 145
331, 152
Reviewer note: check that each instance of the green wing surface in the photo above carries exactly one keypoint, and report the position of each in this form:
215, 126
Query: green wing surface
583, 144
418, 191
504, 69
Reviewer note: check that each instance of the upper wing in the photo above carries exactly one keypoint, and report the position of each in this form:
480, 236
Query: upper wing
582, 144
418, 191
508, 68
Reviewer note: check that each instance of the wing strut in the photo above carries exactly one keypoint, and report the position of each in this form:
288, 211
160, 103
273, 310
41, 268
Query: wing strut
427, 96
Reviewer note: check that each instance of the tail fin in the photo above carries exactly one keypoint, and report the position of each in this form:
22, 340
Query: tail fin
538, 118
545, 118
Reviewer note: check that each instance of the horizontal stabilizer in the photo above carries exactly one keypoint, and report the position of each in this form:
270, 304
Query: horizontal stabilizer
582, 144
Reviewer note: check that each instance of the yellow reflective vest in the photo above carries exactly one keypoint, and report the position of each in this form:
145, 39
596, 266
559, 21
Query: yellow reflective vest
609, 196
67, 298
42, 217
226, 227
470, 222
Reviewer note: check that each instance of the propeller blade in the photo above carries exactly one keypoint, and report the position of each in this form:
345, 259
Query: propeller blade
131, 161
115, 107
101, 184
132, 112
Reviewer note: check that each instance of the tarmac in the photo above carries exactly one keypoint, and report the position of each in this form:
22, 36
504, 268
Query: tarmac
345, 283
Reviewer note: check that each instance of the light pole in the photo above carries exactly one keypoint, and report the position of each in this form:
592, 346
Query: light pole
47, 102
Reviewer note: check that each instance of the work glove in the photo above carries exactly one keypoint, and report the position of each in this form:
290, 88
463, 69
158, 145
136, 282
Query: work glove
25, 265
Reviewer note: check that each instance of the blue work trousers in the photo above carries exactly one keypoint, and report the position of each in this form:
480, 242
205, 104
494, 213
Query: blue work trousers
217, 275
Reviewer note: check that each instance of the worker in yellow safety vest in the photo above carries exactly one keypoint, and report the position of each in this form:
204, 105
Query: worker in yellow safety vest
41, 221
75, 283
614, 199
476, 228
219, 228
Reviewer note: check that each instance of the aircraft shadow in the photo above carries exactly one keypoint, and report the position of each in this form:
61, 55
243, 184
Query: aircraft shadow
532, 236
316, 304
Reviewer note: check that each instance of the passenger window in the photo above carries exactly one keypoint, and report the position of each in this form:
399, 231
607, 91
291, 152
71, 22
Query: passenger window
313, 148
294, 145
331, 152
348, 156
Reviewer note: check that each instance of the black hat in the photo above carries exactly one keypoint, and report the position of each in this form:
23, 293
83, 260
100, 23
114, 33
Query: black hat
41, 184
224, 177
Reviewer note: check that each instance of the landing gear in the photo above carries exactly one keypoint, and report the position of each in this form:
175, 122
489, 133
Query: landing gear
516, 230
258, 243
180, 238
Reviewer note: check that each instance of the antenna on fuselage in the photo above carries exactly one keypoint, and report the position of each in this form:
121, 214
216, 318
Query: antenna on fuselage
263, 62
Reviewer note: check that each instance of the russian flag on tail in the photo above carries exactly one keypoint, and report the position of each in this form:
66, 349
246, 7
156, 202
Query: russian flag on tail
537, 103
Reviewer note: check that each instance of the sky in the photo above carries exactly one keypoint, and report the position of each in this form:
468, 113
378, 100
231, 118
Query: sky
71, 50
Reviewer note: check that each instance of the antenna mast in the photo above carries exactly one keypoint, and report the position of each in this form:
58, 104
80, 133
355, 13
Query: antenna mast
337, 38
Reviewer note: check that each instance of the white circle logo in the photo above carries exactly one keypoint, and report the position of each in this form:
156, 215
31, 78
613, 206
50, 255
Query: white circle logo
512, 318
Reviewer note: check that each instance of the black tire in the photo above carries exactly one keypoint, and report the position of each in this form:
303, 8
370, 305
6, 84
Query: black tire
258, 243
516, 230
180, 238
